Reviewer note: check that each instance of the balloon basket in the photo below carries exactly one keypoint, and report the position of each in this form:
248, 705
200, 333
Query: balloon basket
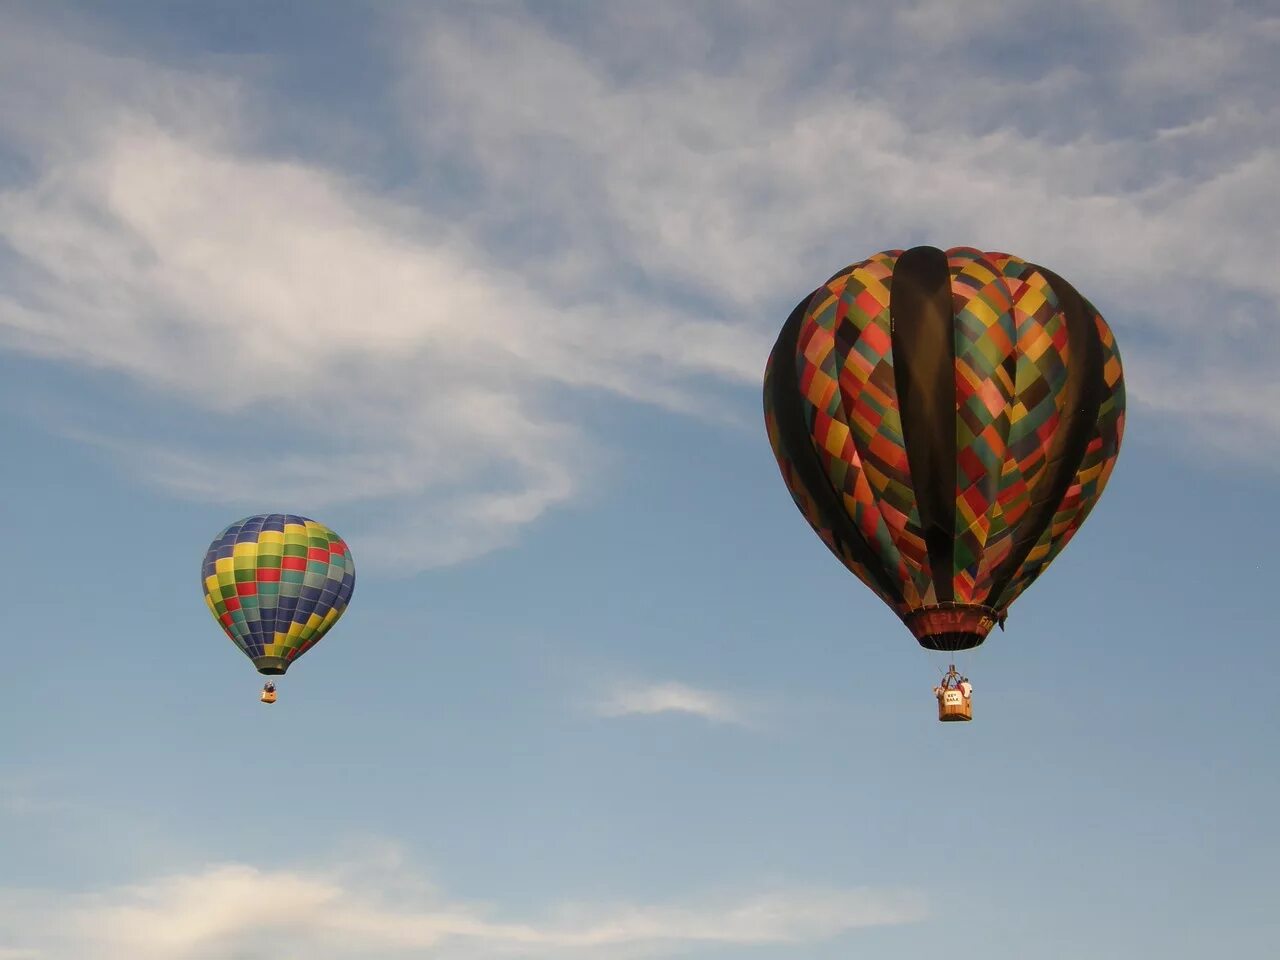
268, 696
954, 705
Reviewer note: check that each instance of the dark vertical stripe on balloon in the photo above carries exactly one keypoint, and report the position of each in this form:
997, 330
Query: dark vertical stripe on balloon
797, 446
924, 369
1083, 394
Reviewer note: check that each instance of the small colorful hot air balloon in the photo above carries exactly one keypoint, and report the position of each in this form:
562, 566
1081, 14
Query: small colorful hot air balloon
945, 421
277, 583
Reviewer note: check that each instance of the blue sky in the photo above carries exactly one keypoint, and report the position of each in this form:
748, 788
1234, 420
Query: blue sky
489, 288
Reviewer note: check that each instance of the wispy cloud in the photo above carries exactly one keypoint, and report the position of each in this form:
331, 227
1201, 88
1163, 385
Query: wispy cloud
407, 366
246, 912
632, 225
646, 699
1150, 185
29, 794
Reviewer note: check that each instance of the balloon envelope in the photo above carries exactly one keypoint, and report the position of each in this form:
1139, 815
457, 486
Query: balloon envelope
945, 421
276, 583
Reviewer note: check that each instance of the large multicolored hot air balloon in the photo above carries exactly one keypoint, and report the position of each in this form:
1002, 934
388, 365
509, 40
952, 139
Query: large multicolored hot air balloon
945, 421
277, 583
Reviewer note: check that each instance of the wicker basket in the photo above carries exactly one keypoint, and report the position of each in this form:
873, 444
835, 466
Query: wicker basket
954, 705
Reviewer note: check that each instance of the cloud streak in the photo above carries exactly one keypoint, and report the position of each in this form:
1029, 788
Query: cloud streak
650, 699
631, 227
404, 365
245, 912
753, 179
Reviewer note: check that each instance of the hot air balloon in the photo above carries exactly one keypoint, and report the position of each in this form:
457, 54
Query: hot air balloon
277, 583
945, 421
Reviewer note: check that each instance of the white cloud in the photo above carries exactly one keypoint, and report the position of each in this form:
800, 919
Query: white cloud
743, 181
279, 298
628, 219
646, 699
406, 365
242, 912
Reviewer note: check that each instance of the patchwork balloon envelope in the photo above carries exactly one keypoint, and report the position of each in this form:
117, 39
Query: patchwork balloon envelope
945, 421
277, 583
